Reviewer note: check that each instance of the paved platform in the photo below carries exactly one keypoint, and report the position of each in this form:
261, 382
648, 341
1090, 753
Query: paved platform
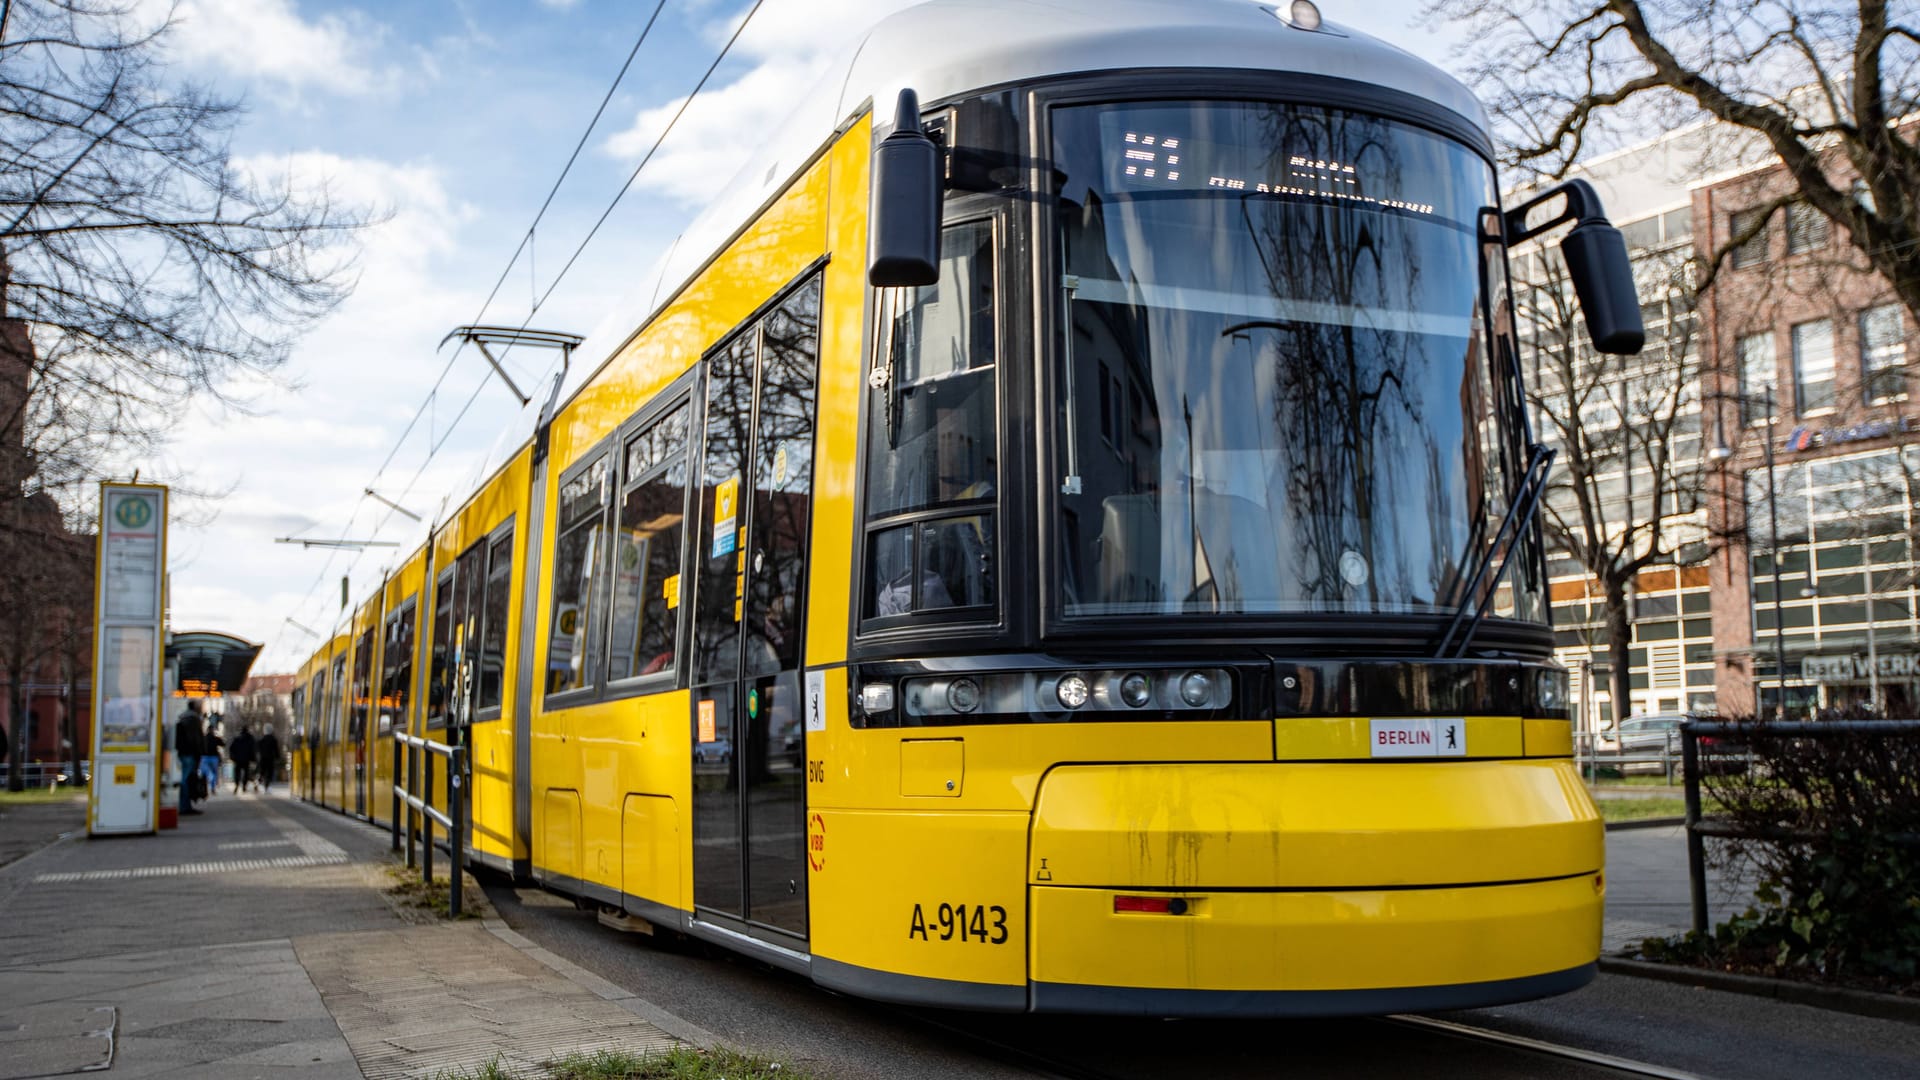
261, 938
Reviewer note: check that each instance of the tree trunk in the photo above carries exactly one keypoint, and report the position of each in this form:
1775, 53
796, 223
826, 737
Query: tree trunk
72, 721
17, 714
1619, 647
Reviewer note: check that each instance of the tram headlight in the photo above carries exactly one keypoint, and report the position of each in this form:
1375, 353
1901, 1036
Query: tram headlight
876, 699
963, 695
1135, 689
1196, 689
1552, 689
1072, 691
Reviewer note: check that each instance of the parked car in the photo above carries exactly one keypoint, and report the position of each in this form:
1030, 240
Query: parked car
1657, 733
717, 752
1643, 734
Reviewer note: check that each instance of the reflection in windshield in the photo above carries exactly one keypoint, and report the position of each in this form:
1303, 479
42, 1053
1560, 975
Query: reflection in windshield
1274, 396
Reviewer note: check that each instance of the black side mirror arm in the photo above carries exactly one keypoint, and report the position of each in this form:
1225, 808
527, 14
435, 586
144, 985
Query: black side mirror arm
1597, 262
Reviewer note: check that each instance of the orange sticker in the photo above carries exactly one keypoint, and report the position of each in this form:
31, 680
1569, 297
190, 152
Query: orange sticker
706, 721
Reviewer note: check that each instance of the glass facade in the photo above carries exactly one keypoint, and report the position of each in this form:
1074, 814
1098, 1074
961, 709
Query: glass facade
1844, 611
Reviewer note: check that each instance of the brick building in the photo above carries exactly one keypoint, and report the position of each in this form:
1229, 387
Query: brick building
46, 610
1817, 566
1786, 317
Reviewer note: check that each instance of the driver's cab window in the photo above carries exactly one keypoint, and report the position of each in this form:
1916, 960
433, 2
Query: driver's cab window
932, 439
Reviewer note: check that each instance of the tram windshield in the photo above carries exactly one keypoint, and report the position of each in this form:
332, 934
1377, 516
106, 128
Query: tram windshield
1274, 389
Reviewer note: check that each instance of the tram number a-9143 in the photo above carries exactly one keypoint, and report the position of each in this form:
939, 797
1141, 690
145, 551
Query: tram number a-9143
984, 923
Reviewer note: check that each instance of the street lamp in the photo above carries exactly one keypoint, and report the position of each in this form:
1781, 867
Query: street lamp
1721, 453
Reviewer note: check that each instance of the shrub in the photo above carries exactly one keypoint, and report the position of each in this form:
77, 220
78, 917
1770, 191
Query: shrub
1830, 826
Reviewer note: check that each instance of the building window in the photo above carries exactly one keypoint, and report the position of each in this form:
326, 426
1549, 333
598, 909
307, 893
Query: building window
1883, 354
1813, 365
1754, 251
1757, 365
1807, 229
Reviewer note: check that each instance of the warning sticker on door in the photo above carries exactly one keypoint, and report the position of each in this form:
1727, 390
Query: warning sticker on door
726, 518
706, 730
670, 589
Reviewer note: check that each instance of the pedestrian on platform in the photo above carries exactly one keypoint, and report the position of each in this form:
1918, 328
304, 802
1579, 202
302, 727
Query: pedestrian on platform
268, 753
210, 754
241, 753
189, 736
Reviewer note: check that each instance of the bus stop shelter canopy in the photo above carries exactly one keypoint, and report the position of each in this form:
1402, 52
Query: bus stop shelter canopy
209, 664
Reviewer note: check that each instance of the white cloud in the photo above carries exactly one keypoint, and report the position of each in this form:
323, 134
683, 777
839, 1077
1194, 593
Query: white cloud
268, 41
299, 464
790, 43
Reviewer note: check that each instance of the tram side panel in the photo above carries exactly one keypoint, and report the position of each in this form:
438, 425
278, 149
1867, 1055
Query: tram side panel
614, 770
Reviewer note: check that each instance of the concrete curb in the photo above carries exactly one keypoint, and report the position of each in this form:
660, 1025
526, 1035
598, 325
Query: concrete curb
607, 991
1837, 999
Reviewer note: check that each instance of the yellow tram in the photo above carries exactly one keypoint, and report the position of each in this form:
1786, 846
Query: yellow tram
1066, 547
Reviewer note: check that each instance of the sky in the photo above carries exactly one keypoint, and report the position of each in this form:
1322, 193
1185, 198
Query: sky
453, 119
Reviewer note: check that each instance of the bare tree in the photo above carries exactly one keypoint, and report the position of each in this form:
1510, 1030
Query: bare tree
1825, 89
149, 269
1626, 473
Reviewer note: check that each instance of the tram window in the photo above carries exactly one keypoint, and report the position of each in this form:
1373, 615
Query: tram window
493, 632
469, 579
933, 422
316, 703
334, 688
933, 441
720, 553
577, 562
647, 549
361, 693
396, 668
442, 634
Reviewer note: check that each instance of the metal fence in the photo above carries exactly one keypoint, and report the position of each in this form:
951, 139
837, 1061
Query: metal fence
1693, 761
46, 774
413, 772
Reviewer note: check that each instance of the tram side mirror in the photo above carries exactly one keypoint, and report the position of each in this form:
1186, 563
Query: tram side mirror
904, 228
1596, 256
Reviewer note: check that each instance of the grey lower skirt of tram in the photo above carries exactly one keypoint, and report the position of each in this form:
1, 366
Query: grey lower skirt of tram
1134, 1001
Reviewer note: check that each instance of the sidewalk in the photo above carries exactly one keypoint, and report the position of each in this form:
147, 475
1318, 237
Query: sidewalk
259, 938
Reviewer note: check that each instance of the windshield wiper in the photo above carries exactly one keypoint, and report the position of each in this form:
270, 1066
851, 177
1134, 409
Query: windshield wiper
1526, 498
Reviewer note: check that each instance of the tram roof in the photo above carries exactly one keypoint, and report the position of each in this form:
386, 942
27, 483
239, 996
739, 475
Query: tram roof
946, 48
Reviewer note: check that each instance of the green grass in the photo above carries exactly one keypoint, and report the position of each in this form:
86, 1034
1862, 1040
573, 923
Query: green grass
42, 795
1640, 809
410, 889
681, 1063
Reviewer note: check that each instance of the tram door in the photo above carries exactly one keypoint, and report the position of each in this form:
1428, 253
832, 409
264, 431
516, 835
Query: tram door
749, 802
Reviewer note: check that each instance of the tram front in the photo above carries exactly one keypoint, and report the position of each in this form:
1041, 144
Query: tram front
1232, 568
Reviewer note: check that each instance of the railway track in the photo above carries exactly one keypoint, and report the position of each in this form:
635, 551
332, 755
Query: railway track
1502, 1054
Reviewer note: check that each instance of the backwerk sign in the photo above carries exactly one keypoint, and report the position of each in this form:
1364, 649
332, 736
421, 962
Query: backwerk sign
1847, 669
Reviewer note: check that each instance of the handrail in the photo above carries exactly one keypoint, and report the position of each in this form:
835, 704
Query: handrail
418, 775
